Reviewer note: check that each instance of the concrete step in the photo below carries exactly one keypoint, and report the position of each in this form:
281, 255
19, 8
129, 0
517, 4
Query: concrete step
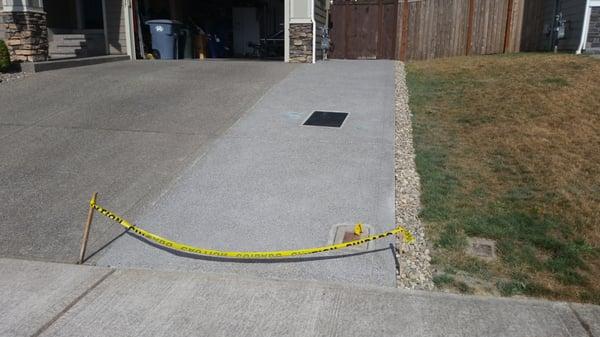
52, 56
64, 62
59, 50
49, 299
66, 37
65, 44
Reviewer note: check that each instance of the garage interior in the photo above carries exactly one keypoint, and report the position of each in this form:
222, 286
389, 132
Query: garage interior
215, 28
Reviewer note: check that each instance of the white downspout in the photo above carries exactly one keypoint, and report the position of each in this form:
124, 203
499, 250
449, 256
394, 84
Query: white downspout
586, 26
286, 31
314, 35
127, 12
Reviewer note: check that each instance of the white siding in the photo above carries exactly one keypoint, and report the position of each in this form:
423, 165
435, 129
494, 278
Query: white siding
115, 27
300, 10
320, 21
1, 26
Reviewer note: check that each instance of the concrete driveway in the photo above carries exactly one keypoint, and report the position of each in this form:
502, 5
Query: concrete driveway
123, 129
270, 183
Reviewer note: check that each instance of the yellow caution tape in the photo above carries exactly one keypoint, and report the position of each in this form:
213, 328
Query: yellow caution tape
243, 255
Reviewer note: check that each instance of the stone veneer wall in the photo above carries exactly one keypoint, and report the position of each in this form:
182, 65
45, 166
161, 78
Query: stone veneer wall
593, 38
301, 42
26, 35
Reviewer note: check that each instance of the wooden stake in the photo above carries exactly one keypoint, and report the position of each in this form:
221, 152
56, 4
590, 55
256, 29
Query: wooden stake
86, 230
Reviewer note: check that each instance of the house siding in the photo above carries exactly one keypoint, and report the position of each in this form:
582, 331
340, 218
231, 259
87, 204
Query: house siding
1, 26
115, 27
593, 39
320, 22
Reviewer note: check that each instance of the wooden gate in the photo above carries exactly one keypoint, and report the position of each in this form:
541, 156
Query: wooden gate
363, 29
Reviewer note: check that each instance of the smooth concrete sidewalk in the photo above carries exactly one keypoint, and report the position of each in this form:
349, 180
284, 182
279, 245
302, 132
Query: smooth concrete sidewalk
46, 299
271, 183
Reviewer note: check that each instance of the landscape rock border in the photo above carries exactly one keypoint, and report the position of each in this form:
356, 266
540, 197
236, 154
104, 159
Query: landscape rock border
8, 77
414, 268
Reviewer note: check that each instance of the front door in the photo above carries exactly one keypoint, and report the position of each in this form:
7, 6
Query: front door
92, 14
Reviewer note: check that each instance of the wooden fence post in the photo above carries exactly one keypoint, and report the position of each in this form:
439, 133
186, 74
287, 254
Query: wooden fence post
405, 18
86, 230
508, 31
470, 26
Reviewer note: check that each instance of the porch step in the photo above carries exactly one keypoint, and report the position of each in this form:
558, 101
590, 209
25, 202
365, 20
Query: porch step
68, 44
76, 45
54, 64
59, 56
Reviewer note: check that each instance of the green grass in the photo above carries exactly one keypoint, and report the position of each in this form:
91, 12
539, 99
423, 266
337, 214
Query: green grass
4, 57
507, 149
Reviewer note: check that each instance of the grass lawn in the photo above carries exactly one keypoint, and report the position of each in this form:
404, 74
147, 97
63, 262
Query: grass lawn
508, 148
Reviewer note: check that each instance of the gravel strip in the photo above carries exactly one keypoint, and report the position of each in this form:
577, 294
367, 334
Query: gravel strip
9, 77
414, 269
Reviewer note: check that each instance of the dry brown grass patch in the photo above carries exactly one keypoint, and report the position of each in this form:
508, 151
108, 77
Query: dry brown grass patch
508, 147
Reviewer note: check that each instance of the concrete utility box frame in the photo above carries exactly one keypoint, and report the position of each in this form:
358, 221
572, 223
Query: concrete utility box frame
345, 233
482, 248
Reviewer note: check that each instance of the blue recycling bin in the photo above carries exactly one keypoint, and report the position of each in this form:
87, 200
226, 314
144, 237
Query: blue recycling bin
165, 38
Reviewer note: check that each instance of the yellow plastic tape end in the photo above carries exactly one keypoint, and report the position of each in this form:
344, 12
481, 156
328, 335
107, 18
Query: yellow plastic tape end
358, 230
408, 238
93, 201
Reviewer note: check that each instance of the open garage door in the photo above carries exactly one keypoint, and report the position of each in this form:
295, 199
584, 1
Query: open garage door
216, 28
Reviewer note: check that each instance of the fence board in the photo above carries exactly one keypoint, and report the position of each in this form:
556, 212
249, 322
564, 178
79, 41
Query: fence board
426, 29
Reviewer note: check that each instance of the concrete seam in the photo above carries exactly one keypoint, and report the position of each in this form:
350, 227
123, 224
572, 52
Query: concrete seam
583, 323
217, 136
71, 305
100, 129
309, 140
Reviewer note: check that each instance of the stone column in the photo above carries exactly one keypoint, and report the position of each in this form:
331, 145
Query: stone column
301, 45
26, 31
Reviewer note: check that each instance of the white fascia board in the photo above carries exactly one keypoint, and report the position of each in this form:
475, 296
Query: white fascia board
314, 29
20, 6
302, 20
129, 35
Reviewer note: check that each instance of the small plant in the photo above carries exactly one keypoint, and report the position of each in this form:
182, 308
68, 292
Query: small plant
4, 57
463, 287
442, 280
510, 288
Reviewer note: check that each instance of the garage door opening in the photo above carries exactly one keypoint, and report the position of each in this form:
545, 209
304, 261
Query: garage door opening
214, 29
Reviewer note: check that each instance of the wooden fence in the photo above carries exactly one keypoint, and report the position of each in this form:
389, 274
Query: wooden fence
426, 29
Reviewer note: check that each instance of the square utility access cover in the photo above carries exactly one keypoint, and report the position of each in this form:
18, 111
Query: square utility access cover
326, 118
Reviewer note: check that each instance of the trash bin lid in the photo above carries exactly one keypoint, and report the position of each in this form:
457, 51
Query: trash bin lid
163, 21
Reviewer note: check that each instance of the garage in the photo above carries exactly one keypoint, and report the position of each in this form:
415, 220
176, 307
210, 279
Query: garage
213, 29
283, 30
